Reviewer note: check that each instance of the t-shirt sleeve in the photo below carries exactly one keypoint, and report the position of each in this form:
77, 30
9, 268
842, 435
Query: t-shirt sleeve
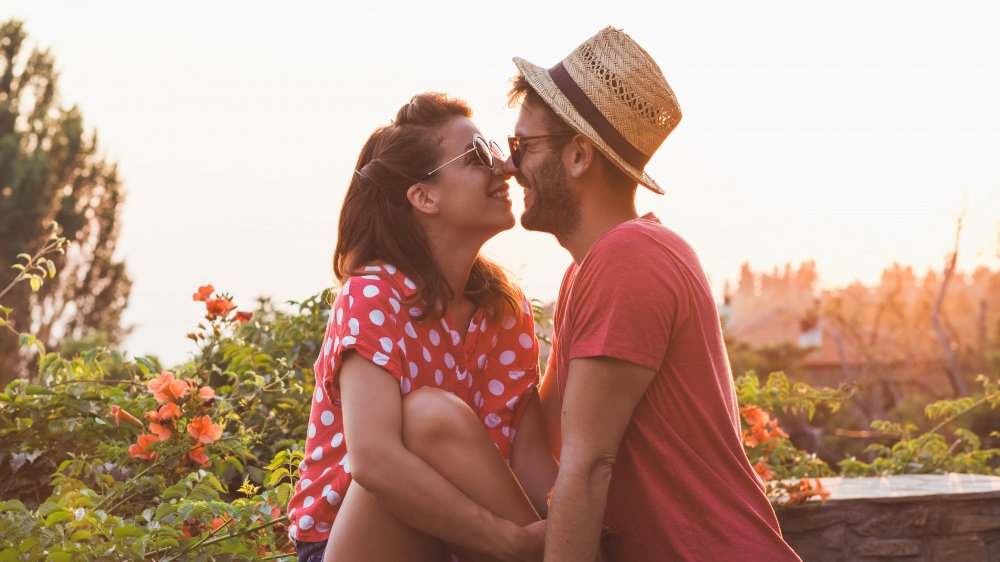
624, 301
364, 320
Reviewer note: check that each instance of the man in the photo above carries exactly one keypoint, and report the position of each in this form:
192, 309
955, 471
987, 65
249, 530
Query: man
638, 394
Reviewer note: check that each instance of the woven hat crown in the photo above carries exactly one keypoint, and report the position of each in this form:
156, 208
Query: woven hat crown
612, 91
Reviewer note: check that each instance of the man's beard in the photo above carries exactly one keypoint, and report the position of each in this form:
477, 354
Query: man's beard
554, 208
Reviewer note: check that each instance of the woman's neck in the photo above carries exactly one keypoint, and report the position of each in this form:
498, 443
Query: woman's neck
455, 256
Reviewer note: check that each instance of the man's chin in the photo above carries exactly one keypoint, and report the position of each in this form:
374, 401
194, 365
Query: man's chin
531, 222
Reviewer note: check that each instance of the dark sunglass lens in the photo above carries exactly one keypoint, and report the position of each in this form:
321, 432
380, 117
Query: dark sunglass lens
515, 155
496, 150
483, 151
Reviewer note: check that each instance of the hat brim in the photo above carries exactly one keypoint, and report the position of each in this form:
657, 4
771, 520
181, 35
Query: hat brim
538, 78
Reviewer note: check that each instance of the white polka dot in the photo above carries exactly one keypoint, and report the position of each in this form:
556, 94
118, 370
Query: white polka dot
312, 430
494, 343
291, 532
332, 497
305, 522
507, 357
354, 325
482, 325
513, 402
303, 466
515, 375
472, 327
347, 287
435, 337
377, 317
326, 417
414, 311
413, 369
317, 453
496, 387
526, 341
506, 431
350, 302
492, 420
509, 322
470, 380
395, 294
344, 462
386, 344
438, 377
408, 328
380, 358
427, 355
308, 501
370, 277
461, 374
340, 314
395, 304
373, 268
322, 527
390, 268
337, 440
455, 338
404, 385
402, 345
481, 362
318, 395
370, 291
348, 340
408, 283
329, 344
449, 361
291, 512
525, 307
478, 399
325, 470
305, 484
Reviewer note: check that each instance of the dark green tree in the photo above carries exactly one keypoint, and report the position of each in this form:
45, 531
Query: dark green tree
50, 170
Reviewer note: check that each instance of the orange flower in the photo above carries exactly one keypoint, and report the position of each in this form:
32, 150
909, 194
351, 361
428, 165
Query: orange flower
120, 414
243, 317
219, 307
168, 411
140, 449
206, 393
220, 522
755, 416
777, 431
197, 454
162, 431
804, 491
764, 472
166, 388
204, 293
203, 430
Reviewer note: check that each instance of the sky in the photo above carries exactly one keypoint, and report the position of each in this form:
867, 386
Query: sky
851, 133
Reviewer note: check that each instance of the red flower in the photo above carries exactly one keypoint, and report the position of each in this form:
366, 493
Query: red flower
204, 293
764, 472
140, 449
206, 393
203, 430
243, 317
120, 414
166, 388
197, 454
219, 307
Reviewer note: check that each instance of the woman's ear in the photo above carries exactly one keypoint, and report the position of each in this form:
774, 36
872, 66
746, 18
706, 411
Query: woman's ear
580, 156
423, 198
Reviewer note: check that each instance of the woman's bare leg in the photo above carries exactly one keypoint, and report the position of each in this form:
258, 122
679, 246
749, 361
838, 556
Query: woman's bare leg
443, 431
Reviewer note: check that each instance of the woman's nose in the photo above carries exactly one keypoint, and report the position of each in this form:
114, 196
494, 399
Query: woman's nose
503, 168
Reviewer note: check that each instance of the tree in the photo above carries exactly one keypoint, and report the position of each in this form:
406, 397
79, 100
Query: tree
50, 170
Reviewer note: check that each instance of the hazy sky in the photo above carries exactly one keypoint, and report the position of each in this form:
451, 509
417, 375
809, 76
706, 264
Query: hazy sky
852, 133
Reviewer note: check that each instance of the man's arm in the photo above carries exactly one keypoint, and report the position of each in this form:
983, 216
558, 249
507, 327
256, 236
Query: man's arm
601, 394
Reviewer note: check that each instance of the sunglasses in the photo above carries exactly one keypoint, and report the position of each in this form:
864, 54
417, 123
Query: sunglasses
516, 144
488, 153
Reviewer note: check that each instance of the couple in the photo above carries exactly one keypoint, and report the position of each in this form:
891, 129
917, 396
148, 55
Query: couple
429, 438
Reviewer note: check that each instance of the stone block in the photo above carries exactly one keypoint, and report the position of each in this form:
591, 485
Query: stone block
896, 523
959, 549
973, 522
887, 548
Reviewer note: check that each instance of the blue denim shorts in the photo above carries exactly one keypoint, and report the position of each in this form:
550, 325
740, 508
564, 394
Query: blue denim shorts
310, 551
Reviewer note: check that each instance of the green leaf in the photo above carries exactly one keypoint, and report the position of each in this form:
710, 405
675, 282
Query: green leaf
127, 531
57, 517
36, 284
25, 256
145, 365
60, 557
52, 269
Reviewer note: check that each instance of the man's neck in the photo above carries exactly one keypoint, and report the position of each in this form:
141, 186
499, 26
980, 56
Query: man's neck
597, 217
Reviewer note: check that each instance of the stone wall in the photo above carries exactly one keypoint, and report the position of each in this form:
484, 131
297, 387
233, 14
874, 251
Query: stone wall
949, 528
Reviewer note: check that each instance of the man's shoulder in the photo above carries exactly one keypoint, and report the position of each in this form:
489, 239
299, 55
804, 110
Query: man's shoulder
640, 241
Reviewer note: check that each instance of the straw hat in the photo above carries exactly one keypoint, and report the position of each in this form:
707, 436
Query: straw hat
610, 90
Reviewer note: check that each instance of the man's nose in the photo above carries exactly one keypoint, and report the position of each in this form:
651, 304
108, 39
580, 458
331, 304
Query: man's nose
507, 167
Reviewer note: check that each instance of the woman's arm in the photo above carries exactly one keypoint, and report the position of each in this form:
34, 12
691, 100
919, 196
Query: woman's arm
401, 481
531, 458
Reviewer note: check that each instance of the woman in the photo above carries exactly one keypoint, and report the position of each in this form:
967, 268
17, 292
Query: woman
429, 366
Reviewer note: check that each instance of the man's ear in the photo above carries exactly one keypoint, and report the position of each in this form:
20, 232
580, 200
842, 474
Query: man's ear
579, 157
423, 198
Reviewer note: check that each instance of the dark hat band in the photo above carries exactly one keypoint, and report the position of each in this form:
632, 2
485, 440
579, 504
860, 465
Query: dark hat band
593, 116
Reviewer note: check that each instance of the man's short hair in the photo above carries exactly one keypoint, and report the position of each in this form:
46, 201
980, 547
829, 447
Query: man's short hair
521, 91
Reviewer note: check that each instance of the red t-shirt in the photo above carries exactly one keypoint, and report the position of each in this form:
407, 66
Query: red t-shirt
682, 487
492, 371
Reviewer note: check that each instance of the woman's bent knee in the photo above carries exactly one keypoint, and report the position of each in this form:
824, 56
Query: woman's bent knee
432, 415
